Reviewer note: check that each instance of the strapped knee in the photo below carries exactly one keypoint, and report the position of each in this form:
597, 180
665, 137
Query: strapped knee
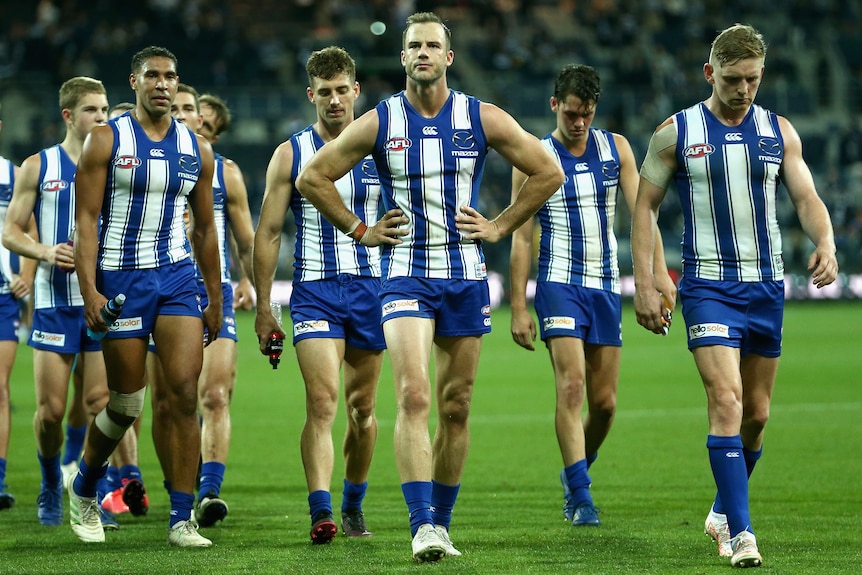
126, 406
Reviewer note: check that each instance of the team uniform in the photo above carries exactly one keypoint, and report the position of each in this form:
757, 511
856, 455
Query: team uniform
58, 317
10, 313
336, 280
143, 248
578, 281
429, 168
732, 289
222, 224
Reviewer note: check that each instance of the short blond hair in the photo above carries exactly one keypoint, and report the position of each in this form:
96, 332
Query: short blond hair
738, 42
74, 89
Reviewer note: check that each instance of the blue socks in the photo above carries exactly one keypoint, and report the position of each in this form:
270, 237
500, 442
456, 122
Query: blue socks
87, 479
74, 443
353, 495
51, 474
181, 506
2, 474
417, 494
212, 475
442, 501
319, 501
731, 478
751, 458
579, 482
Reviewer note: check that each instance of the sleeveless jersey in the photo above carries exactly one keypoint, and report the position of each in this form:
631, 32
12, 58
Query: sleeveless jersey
577, 244
430, 168
221, 219
726, 181
145, 196
8, 260
321, 250
55, 217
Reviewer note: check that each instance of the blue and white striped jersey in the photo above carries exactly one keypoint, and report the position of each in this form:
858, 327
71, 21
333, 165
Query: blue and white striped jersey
727, 179
221, 220
145, 196
55, 217
430, 168
7, 258
577, 244
321, 250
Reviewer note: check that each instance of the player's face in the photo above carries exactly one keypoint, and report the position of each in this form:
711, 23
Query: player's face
735, 84
334, 99
209, 123
91, 111
425, 57
156, 84
574, 117
185, 110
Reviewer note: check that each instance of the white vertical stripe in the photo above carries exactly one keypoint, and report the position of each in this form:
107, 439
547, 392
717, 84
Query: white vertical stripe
737, 170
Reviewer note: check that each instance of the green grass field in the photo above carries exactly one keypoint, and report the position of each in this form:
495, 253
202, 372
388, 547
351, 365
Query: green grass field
652, 479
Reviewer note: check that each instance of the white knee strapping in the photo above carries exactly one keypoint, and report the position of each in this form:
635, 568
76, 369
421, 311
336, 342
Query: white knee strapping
128, 404
107, 425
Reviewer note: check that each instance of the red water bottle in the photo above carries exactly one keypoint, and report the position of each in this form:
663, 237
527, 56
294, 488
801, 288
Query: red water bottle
275, 344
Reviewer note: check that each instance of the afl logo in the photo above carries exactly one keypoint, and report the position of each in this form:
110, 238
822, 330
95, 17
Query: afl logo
189, 164
127, 162
54, 186
611, 170
397, 144
698, 150
463, 139
769, 146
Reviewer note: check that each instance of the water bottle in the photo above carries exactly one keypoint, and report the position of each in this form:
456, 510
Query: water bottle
275, 343
110, 313
71, 243
666, 321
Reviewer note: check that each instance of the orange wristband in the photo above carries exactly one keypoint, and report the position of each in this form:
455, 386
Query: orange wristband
358, 232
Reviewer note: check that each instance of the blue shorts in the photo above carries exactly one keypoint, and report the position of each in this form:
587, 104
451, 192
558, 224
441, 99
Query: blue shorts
166, 290
10, 317
62, 330
591, 315
745, 315
228, 322
458, 307
346, 307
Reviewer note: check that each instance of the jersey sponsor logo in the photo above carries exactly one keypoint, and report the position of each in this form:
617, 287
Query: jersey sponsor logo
769, 146
708, 330
582, 167
698, 150
487, 322
157, 153
127, 162
189, 164
429, 131
464, 139
400, 305
369, 168
54, 185
733, 137
48, 338
481, 270
769, 159
732, 455
314, 326
127, 324
611, 169
559, 322
397, 144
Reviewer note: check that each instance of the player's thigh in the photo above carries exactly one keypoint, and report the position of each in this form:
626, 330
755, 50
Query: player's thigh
51, 373
456, 363
758, 381
718, 366
8, 348
320, 363
361, 374
603, 367
94, 380
179, 341
218, 372
125, 361
408, 343
567, 358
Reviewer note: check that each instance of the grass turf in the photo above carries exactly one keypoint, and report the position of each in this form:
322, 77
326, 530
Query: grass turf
652, 479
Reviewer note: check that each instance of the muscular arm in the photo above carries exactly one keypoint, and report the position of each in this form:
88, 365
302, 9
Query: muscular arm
241, 227
267, 238
656, 172
520, 263
90, 178
811, 210
524, 151
205, 242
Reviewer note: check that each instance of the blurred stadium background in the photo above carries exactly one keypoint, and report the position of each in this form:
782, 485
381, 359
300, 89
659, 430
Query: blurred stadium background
649, 53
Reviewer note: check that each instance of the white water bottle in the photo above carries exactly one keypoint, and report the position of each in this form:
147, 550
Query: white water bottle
110, 313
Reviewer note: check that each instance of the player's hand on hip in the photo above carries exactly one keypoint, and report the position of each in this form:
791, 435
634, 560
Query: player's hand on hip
212, 321
475, 226
823, 266
386, 230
